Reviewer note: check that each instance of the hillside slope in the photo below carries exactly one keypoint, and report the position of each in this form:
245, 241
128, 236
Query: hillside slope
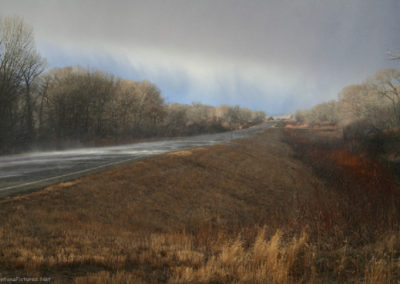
224, 213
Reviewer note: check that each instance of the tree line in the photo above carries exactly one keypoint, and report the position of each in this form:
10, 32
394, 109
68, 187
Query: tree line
81, 105
371, 105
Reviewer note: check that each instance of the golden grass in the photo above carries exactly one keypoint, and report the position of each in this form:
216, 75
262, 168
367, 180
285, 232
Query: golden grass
228, 213
266, 261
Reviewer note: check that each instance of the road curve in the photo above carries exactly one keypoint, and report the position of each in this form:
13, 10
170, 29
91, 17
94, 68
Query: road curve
31, 171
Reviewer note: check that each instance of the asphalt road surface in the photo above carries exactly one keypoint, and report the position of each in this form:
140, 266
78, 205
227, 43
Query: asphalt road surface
31, 171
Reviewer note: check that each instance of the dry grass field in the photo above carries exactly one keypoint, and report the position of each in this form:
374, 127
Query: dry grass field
267, 209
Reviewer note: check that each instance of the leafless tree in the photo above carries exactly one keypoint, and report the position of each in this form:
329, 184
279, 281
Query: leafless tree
386, 84
20, 65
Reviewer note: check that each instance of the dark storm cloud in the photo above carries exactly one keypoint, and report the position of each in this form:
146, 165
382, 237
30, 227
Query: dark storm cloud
262, 53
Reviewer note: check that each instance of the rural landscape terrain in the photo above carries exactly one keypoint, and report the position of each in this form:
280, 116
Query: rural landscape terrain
107, 178
217, 214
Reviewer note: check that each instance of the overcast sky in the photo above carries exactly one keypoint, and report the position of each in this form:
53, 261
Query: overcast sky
274, 55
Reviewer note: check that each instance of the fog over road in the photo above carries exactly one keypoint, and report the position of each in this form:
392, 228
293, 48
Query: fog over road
29, 171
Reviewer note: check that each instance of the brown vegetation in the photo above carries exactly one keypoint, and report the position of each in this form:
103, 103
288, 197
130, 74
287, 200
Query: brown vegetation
247, 211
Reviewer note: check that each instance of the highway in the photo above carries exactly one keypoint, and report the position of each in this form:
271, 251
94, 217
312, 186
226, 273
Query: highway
31, 171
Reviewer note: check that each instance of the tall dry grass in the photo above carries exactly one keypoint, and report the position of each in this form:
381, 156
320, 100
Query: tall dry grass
264, 261
273, 259
252, 211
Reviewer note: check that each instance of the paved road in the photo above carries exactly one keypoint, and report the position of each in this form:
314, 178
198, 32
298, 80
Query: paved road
21, 173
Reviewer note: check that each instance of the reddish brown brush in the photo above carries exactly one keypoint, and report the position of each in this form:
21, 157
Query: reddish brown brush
366, 198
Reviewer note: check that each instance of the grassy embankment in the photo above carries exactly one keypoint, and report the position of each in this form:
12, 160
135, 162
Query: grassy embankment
286, 205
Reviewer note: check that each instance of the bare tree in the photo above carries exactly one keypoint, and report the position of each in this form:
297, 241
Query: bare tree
352, 102
33, 67
20, 64
150, 108
386, 84
42, 102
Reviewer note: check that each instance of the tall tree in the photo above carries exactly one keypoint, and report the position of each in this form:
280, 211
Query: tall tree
20, 64
32, 68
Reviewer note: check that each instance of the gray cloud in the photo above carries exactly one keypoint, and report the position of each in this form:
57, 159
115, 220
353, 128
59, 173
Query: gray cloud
302, 52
